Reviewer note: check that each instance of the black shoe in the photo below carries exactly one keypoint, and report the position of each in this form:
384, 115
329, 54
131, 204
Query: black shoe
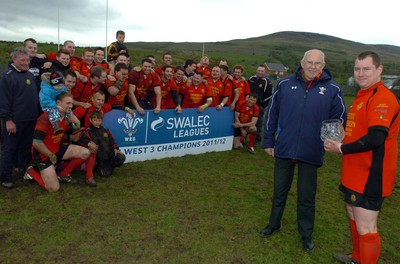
67, 179
268, 231
308, 244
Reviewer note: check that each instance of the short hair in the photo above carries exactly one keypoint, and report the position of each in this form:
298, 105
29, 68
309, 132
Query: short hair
314, 50
96, 114
166, 54
254, 95
98, 48
224, 67
120, 66
146, 60
179, 68
29, 39
223, 61
101, 92
199, 73
188, 63
165, 67
70, 73
61, 96
68, 41
87, 50
122, 54
96, 71
62, 51
18, 51
240, 67
119, 32
376, 60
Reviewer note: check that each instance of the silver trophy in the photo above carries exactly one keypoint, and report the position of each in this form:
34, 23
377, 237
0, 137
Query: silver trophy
332, 129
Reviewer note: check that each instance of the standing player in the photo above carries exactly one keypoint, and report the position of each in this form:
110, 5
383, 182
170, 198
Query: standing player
370, 155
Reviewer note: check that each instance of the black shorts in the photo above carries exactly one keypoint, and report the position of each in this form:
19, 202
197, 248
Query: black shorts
360, 200
44, 164
237, 132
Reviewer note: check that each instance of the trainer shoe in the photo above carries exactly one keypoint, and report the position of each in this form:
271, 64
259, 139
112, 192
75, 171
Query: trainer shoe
8, 185
27, 177
251, 150
67, 179
91, 182
344, 258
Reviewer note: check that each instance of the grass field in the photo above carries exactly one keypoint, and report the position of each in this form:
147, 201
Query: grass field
195, 209
204, 208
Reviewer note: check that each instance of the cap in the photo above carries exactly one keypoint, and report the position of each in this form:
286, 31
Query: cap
56, 78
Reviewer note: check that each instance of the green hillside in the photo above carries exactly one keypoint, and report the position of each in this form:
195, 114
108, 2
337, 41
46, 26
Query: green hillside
282, 47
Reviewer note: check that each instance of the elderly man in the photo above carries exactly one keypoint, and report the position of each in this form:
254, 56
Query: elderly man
18, 113
298, 106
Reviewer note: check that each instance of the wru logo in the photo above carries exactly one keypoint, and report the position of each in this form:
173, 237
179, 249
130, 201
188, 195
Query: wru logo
130, 123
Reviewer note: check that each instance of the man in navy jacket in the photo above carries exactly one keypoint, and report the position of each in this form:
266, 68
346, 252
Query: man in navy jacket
18, 114
292, 129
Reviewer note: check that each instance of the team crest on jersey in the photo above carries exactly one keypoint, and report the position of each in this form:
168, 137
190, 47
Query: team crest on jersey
322, 90
105, 135
28, 82
130, 123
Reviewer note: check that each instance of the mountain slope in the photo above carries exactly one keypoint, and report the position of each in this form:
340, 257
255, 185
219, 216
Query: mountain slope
285, 47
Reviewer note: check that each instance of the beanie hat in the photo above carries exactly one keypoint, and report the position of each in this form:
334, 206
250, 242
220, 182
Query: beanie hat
56, 78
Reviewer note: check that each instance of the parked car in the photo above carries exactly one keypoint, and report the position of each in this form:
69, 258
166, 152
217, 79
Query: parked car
393, 83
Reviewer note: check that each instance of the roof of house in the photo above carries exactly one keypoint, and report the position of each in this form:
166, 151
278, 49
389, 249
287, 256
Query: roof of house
276, 67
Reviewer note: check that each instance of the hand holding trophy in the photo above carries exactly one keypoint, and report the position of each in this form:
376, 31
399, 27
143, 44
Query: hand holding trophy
332, 129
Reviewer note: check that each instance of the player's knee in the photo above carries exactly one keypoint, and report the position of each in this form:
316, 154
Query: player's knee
253, 129
85, 153
53, 187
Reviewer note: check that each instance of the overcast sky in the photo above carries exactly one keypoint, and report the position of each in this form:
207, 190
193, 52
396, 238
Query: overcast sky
84, 21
